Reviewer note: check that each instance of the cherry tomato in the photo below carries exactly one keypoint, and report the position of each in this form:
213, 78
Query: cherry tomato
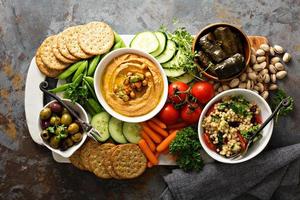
191, 113
203, 91
243, 141
208, 142
177, 92
258, 118
169, 114
211, 109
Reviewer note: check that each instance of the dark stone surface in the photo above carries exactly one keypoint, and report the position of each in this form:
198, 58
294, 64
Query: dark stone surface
27, 171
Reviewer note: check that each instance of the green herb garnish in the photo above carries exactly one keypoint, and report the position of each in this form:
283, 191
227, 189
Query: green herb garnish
77, 94
277, 98
247, 134
186, 147
239, 105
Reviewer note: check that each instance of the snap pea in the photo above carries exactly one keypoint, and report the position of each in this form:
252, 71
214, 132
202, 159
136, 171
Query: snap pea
117, 46
90, 80
95, 105
93, 64
78, 80
60, 88
80, 69
70, 70
123, 44
91, 88
117, 37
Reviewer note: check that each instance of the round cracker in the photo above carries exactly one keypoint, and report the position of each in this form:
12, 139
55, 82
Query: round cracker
128, 161
72, 43
43, 68
76, 160
62, 46
48, 56
97, 163
108, 164
86, 151
96, 38
57, 54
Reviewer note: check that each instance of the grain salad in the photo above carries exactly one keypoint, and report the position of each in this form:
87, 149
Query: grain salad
230, 123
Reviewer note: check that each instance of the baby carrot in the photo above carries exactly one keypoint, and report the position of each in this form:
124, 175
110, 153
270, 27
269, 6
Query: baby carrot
157, 128
178, 125
148, 141
159, 123
149, 164
154, 136
148, 153
166, 142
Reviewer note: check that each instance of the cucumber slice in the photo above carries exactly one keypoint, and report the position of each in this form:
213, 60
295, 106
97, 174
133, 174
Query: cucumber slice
162, 39
115, 127
168, 53
100, 123
132, 132
145, 41
186, 78
174, 72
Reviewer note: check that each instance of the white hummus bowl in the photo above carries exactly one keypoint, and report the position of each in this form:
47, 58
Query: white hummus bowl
82, 114
98, 80
259, 145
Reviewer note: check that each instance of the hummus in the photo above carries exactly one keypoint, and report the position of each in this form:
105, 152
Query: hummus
132, 85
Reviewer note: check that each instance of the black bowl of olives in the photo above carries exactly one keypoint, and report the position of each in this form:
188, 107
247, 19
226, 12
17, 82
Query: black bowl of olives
61, 131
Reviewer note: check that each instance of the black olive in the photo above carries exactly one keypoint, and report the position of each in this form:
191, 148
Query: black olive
234, 124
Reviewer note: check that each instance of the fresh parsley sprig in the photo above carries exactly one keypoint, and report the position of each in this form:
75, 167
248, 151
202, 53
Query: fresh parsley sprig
278, 96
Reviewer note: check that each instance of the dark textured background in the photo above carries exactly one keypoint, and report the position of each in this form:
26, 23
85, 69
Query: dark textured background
27, 171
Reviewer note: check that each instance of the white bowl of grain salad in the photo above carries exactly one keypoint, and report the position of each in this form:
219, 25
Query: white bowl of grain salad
229, 119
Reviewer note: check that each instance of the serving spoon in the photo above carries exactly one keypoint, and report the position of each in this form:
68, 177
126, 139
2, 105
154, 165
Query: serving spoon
91, 132
284, 103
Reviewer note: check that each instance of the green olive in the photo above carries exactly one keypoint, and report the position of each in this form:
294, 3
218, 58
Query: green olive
73, 128
68, 142
45, 135
76, 137
54, 142
65, 111
45, 113
60, 129
66, 119
55, 120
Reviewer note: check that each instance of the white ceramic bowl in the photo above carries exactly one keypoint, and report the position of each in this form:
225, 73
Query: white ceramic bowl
82, 114
98, 80
259, 145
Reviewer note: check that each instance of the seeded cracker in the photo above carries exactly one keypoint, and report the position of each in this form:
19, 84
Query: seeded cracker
128, 161
98, 157
43, 68
72, 43
96, 38
62, 46
76, 160
57, 54
48, 56
86, 150
108, 164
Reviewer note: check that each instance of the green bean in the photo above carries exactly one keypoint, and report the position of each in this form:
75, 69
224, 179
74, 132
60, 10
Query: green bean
60, 88
80, 69
70, 70
78, 80
91, 89
117, 37
90, 80
93, 65
95, 105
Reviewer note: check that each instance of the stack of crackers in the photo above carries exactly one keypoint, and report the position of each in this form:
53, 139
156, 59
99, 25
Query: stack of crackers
57, 52
124, 161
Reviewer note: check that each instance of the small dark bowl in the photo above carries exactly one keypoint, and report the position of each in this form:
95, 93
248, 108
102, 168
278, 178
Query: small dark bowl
245, 43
